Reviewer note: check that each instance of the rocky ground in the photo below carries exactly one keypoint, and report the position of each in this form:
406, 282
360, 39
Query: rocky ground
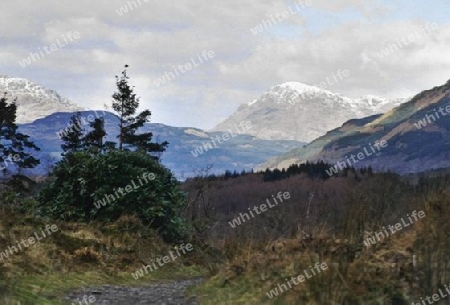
167, 293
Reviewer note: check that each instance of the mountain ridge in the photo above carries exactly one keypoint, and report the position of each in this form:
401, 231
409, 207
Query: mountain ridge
418, 137
241, 152
291, 111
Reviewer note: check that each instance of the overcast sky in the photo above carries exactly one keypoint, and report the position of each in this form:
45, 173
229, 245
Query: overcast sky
301, 41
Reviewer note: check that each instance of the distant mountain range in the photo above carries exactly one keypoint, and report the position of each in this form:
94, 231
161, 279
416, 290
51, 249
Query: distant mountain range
295, 111
283, 120
43, 112
417, 135
190, 149
34, 101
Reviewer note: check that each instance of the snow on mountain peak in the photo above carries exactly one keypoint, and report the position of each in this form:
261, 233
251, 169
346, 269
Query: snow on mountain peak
301, 90
380, 104
296, 111
300, 87
34, 101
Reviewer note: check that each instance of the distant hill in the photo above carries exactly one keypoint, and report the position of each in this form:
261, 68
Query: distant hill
295, 111
240, 152
417, 134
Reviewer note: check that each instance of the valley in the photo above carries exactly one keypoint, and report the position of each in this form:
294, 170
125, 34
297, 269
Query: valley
224, 152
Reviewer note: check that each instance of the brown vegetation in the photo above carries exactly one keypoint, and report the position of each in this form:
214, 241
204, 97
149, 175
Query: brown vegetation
283, 241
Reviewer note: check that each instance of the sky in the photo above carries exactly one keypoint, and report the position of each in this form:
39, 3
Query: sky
389, 50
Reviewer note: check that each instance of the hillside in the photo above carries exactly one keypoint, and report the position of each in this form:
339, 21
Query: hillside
417, 134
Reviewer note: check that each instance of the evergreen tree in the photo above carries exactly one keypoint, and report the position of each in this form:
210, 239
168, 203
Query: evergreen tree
73, 136
94, 138
13, 144
125, 104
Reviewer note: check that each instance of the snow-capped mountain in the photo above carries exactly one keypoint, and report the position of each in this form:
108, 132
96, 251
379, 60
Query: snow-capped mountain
417, 138
34, 101
296, 111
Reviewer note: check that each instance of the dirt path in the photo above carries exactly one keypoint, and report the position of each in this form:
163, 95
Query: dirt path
168, 293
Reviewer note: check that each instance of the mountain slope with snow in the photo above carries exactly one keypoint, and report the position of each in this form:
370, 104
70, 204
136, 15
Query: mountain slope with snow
296, 111
34, 101
416, 134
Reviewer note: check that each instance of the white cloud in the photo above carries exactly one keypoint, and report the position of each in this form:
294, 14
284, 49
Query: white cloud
160, 35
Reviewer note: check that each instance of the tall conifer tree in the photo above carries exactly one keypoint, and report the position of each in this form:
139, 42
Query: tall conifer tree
14, 146
94, 138
73, 136
125, 104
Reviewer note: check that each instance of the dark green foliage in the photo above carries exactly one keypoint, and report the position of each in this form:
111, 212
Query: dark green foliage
82, 179
125, 104
228, 174
313, 170
72, 136
76, 139
14, 146
94, 139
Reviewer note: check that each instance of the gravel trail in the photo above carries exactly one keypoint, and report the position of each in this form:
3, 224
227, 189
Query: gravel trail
167, 293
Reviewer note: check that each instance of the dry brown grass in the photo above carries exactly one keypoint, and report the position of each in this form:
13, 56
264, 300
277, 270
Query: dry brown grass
76, 255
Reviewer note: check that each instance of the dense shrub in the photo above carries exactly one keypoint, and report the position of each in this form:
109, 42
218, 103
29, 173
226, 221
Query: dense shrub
81, 181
